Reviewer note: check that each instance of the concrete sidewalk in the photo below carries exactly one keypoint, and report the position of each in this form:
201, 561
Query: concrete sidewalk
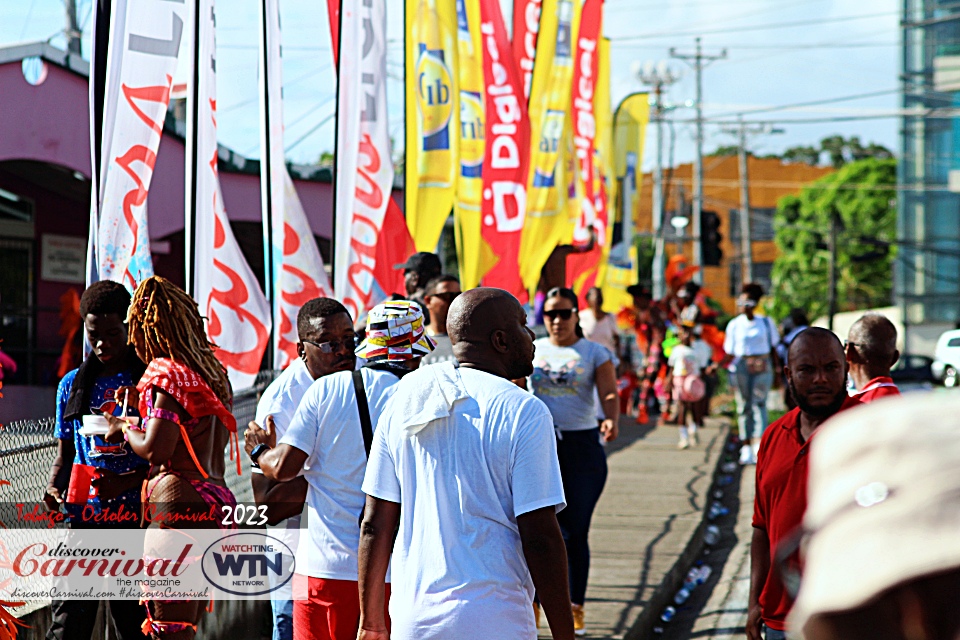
645, 530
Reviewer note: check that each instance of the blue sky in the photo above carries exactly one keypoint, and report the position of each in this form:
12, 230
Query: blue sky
779, 52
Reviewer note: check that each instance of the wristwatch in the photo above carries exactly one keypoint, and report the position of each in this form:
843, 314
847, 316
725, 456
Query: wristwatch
257, 452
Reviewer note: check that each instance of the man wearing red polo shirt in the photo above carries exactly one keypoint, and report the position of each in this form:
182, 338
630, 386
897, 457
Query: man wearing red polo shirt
816, 375
871, 349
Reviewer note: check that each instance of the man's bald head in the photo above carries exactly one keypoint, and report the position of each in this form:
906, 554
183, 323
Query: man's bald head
488, 330
815, 338
874, 338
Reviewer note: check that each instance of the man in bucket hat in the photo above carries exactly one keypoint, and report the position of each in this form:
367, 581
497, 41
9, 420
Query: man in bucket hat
882, 546
328, 442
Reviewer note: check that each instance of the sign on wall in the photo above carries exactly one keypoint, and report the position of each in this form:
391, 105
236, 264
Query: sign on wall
63, 259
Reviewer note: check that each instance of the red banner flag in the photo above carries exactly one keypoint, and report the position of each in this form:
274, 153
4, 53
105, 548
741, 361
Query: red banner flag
504, 164
526, 29
593, 213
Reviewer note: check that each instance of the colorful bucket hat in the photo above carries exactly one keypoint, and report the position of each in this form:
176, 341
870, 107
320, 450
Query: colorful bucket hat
395, 332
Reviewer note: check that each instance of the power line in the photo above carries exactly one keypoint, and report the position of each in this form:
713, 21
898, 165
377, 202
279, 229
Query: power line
809, 103
756, 27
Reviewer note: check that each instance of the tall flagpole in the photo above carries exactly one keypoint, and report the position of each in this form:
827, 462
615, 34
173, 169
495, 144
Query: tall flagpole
266, 172
336, 154
192, 159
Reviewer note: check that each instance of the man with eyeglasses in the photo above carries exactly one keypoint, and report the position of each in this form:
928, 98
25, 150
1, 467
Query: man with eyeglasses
326, 345
327, 443
816, 374
440, 292
871, 348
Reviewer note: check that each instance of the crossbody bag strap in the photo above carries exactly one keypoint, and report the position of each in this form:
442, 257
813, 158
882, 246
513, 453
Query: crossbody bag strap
364, 409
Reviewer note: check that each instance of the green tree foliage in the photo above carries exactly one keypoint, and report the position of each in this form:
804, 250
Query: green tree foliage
801, 154
838, 150
862, 193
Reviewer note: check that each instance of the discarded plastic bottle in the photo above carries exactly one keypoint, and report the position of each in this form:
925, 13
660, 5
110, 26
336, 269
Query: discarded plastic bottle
681, 596
724, 480
668, 614
718, 494
712, 535
705, 572
729, 467
658, 631
692, 576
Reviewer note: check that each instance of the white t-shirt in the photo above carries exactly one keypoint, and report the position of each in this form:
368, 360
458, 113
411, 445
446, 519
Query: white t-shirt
704, 353
602, 331
750, 337
327, 428
458, 565
684, 361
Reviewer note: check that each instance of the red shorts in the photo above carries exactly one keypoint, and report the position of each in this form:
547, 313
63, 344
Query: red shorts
331, 610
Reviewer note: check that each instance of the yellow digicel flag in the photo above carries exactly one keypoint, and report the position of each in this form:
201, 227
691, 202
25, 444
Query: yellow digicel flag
433, 112
630, 130
475, 255
546, 221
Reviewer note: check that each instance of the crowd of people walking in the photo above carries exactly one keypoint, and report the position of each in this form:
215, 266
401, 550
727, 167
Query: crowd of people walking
437, 468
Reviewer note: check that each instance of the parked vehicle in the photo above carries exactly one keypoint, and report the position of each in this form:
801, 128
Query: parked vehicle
946, 363
913, 370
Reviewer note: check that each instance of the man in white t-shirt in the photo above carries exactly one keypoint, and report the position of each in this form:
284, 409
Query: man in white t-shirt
466, 463
326, 444
325, 346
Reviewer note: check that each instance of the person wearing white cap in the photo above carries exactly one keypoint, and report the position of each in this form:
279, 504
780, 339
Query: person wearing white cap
327, 442
881, 551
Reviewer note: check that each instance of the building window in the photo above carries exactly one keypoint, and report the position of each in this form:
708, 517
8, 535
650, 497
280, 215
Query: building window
762, 272
761, 224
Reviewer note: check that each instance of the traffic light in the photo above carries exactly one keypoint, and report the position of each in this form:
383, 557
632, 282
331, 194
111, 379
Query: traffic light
710, 252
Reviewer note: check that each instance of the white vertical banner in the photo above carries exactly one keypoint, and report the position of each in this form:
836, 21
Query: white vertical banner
295, 271
142, 57
226, 289
300, 277
364, 168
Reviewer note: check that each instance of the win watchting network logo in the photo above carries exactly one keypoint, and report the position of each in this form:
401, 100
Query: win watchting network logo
248, 564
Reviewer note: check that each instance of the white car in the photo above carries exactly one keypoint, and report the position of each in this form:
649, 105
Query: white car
946, 362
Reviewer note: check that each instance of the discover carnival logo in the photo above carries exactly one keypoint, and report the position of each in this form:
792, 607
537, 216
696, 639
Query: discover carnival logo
248, 564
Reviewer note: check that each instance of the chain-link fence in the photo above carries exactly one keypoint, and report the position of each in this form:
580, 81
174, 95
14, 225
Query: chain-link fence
28, 448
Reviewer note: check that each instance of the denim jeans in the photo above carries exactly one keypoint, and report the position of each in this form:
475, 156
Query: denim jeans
773, 634
751, 391
282, 619
583, 467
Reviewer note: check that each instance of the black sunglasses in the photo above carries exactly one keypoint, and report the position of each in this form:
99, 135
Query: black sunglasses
563, 314
446, 296
335, 345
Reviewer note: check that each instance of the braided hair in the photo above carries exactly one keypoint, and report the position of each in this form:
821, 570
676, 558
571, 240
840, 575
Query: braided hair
171, 326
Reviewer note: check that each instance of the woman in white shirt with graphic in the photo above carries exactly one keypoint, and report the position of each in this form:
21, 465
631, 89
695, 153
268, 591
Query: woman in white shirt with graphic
568, 373
750, 345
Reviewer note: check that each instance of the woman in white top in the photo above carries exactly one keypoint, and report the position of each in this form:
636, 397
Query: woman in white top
598, 325
750, 345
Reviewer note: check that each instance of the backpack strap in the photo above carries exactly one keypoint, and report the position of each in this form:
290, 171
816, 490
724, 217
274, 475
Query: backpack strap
364, 409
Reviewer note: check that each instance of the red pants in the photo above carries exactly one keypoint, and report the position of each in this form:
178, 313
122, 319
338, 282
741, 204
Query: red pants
331, 610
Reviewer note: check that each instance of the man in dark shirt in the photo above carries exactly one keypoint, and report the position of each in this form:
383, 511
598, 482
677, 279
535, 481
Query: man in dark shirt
97, 482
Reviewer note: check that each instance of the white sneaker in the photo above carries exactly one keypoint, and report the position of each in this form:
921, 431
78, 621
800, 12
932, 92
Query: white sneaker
746, 455
683, 444
694, 438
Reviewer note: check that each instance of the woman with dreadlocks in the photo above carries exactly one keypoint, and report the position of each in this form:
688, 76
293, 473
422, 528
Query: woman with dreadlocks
184, 397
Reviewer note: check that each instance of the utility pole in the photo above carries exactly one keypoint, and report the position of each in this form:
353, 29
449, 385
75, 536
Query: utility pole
832, 284
746, 235
658, 77
697, 60
73, 27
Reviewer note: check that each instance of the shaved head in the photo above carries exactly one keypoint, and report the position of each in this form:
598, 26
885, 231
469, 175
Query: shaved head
875, 339
816, 338
487, 328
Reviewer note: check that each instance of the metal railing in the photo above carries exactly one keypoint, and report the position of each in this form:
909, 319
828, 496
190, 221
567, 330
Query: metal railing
28, 448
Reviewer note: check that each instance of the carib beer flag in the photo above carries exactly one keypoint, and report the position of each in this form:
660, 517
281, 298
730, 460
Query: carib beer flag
546, 220
432, 106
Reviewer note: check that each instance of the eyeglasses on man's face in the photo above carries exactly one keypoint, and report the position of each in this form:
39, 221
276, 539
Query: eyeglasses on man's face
333, 346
